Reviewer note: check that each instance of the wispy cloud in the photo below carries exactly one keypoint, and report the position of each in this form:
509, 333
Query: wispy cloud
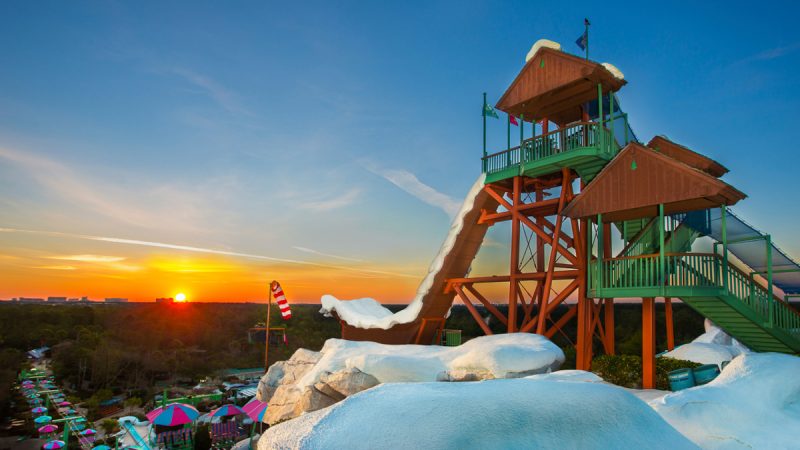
409, 182
56, 267
330, 202
189, 248
328, 255
769, 54
221, 95
89, 258
143, 206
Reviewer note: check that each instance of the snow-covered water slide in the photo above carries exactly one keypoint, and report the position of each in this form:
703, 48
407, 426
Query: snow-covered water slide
366, 319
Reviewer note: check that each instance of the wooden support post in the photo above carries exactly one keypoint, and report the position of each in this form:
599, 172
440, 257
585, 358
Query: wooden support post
513, 286
608, 317
548, 281
669, 323
266, 335
648, 343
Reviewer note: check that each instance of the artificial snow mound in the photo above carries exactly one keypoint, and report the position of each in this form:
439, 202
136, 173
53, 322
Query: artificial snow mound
753, 403
712, 347
496, 414
369, 313
500, 356
547, 43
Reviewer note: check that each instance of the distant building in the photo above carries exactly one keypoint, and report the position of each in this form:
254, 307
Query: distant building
31, 300
114, 300
165, 300
56, 299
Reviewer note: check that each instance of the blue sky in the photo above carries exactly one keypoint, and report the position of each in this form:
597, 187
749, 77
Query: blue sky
315, 132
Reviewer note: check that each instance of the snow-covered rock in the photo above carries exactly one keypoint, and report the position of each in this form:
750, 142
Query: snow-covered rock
753, 403
286, 372
345, 383
547, 43
551, 412
369, 313
712, 347
344, 368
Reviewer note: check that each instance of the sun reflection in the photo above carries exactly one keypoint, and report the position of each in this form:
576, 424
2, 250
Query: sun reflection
181, 297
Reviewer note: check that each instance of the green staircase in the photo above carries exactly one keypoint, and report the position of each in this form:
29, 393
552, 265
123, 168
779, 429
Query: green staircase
717, 289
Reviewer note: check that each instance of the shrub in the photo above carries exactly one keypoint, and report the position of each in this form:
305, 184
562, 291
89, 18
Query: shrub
626, 370
622, 370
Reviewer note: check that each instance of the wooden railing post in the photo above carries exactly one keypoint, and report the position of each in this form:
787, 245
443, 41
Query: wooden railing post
661, 268
771, 318
723, 212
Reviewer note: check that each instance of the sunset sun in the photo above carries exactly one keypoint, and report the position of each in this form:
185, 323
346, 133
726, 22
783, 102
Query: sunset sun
181, 297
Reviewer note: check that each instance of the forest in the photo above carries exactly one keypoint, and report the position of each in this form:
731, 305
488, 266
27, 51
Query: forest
135, 349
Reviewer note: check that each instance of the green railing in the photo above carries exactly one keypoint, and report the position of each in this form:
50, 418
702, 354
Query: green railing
694, 272
578, 136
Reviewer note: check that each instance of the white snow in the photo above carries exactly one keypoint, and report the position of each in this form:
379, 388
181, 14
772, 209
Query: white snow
547, 43
548, 412
712, 347
369, 313
501, 355
753, 403
614, 71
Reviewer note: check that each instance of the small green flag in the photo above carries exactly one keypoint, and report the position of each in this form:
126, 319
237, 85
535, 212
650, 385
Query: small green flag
488, 111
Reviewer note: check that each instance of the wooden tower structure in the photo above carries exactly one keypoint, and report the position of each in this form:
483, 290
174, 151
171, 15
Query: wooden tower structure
570, 101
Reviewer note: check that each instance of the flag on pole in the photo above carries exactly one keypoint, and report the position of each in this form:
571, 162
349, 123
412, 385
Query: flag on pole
488, 111
280, 299
513, 120
583, 41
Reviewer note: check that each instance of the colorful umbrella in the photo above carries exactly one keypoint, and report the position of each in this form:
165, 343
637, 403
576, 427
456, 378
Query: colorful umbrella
173, 414
53, 445
49, 428
226, 410
64, 403
43, 419
101, 447
39, 410
255, 409
33, 395
88, 432
71, 411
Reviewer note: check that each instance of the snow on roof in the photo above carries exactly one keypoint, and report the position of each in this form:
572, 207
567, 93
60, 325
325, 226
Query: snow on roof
369, 313
753, 403
614, 71
494, 414
502, 355
539, 44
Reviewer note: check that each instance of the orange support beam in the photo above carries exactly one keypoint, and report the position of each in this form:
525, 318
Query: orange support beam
670, 326
513, 287
608, 316
649, 343
487, 304
471, 308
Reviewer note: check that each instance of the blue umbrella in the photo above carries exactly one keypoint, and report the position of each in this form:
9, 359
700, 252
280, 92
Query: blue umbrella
43, 419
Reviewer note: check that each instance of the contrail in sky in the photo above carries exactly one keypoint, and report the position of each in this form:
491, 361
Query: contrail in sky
188, 248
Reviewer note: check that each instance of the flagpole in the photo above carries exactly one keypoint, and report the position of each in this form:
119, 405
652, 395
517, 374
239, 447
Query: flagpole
483, 113
586, 24
266, 335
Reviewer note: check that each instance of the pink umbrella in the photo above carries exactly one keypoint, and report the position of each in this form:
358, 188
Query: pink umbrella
255, 409
88, 432
39, 410
226, 410
64, 403
49, 428
173, 414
